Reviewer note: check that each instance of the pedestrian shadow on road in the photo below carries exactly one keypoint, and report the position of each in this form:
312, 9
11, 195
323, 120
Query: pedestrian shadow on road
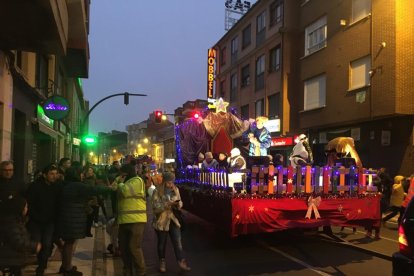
83, 255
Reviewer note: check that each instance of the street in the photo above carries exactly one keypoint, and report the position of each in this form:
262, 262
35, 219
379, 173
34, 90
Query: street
210, 251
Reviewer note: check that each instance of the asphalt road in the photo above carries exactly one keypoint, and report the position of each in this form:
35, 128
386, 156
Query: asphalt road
210, 251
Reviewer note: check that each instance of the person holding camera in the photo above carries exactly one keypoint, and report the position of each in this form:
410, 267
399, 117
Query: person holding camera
166, 201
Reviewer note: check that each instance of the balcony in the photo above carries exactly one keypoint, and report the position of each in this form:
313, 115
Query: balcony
36, 26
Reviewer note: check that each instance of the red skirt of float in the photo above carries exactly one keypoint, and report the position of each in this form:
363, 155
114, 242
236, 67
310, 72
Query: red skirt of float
247, 214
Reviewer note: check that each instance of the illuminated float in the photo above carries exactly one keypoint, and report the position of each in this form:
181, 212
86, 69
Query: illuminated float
265, 198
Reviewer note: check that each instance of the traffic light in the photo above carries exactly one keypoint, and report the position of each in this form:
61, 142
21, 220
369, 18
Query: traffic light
89, 140
126, 98
158, 116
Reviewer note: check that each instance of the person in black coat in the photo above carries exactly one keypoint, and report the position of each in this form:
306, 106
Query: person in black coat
42, 196
15, 242
72, 215
8, 182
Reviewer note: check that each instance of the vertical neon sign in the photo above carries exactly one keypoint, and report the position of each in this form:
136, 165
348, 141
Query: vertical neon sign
211, 62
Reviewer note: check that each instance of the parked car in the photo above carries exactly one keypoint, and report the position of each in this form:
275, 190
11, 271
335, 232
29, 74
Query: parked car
403, 260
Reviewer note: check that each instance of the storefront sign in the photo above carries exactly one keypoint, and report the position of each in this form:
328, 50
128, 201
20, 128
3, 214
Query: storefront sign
211, 62
56, 107
282, 141
41, 116
76, 141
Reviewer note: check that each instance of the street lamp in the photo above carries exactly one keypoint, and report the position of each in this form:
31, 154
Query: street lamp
83, 129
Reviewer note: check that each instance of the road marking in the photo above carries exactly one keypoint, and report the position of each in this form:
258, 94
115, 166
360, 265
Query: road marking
308, 266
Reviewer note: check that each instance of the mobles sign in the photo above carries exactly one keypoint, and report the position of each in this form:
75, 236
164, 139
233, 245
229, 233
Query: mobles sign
211, 62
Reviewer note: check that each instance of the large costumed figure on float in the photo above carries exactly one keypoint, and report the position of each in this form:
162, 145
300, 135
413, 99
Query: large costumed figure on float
259, 138
214, 132
302, 152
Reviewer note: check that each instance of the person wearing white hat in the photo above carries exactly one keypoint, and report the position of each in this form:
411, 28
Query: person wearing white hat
237, 161
302, 153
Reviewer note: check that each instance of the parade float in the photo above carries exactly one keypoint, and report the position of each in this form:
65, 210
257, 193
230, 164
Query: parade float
269, 198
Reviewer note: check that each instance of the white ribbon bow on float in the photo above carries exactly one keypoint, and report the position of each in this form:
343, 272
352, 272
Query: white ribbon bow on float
313, 204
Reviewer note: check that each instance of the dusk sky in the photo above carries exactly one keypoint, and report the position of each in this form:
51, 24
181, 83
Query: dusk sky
158, 48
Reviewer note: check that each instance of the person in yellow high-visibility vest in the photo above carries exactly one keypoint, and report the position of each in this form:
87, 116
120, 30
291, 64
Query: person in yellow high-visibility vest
132, 217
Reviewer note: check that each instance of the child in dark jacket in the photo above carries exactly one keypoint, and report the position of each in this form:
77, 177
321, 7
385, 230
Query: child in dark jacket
15, 242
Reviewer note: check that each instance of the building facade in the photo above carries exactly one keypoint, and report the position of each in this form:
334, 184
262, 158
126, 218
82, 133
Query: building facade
43, 52
327, 69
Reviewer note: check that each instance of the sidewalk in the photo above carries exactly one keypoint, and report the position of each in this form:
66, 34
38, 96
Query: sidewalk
92, 258
83, 258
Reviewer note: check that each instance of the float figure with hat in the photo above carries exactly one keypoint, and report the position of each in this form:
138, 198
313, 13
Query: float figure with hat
302, 152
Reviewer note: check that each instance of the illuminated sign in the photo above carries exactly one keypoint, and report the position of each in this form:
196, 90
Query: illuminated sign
211, 62
76, 141
56, 107
237, 5
281, 141
272, 125
42, 117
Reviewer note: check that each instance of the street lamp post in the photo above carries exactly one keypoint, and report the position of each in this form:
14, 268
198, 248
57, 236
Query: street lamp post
83, 122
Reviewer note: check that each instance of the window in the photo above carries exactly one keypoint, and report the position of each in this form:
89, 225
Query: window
233, 87
223, 88
360, 9
315, 92
244, 111
234, 49
274, 105
245, 76
42, 74
234, 45
223, 56
260, 68
276, 13
259, 108
261, 22
274, 63
359, 72
315, 36
247, 36
260, 28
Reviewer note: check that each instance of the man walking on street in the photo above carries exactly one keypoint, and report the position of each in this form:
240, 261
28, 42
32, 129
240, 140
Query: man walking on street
132, 217
42, 197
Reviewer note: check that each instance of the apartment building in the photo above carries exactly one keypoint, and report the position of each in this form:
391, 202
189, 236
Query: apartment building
327, 69
354, 68
44, 51
153, 139
257, 68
